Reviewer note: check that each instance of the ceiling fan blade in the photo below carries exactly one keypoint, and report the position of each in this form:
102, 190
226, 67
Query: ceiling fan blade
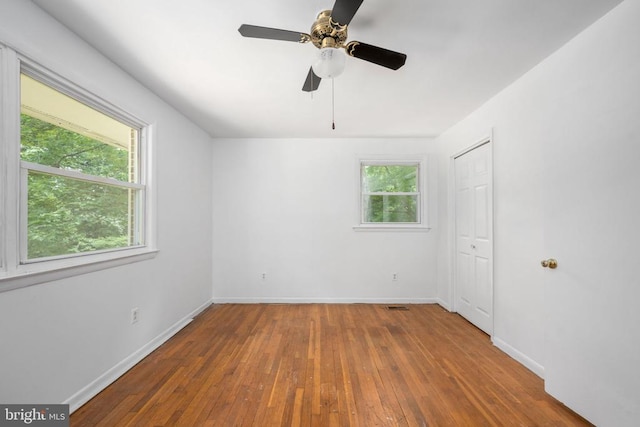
344, 10
377, 55
273, 34
312, 83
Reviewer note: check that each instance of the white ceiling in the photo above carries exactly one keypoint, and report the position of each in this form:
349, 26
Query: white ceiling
460, 53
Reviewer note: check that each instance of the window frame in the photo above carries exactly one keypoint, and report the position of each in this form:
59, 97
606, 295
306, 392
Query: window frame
421, 162
15, 270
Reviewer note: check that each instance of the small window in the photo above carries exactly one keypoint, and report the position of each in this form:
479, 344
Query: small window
82, 190
391, 193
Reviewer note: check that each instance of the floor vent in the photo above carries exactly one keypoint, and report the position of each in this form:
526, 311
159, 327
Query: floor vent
398, 307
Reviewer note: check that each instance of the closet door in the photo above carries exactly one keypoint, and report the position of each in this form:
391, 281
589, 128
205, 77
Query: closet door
474, 251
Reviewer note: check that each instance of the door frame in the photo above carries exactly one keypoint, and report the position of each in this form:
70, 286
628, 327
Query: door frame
453, 291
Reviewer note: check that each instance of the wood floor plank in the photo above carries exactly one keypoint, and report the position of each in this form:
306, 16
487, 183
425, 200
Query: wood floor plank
326, 365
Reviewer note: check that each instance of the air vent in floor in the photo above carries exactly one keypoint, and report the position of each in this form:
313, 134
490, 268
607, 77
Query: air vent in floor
398, 307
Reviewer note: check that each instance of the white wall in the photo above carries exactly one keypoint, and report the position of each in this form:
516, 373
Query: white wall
585, 71
287, 208
58, 338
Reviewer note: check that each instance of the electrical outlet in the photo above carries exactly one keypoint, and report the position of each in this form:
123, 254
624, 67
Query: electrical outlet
263, 276
394, 276
135, 315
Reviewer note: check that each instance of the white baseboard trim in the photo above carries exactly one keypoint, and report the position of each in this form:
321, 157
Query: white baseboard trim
443, 304
529, 363
270, 300
100, 383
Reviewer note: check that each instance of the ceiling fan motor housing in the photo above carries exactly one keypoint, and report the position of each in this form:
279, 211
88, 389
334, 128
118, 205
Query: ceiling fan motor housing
326, 33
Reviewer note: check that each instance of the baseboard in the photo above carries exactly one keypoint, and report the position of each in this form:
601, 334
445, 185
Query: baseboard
100, 383
529, 363
443, 304
269, 300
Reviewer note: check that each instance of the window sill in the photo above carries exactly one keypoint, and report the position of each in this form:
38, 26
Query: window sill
48, 271
386, 227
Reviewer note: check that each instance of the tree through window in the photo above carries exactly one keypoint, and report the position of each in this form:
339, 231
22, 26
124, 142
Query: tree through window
390, 192
80, 168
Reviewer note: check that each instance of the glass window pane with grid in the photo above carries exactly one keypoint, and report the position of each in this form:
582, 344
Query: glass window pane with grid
390, 193
80, 176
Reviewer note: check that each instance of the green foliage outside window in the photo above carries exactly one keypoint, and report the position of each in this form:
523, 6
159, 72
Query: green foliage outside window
390, 193
65, 215
390, 178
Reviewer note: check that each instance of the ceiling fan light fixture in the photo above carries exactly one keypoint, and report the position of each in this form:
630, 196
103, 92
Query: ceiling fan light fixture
329, 62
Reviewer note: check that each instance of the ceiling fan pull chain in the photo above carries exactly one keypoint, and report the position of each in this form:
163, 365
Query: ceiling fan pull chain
333, 105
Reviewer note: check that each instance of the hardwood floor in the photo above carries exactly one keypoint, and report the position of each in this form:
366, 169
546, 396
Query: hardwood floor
326, 365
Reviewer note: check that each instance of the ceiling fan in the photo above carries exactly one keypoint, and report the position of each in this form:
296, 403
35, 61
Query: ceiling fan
329, 34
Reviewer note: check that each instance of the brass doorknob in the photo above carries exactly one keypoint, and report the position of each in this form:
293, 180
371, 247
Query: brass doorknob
551, 263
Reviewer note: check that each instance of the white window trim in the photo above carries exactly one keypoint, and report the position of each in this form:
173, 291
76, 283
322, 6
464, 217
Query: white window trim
13, 273
422, 224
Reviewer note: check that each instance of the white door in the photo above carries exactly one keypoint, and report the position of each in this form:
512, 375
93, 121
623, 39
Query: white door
591, 191
473, 282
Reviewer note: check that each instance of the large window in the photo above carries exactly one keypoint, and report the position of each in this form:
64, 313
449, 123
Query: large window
80, 169
75, 194
391, 194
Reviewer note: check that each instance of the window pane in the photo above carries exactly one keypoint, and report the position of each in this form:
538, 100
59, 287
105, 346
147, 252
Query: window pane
68, 216
58, 131
403, 209
390, 178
